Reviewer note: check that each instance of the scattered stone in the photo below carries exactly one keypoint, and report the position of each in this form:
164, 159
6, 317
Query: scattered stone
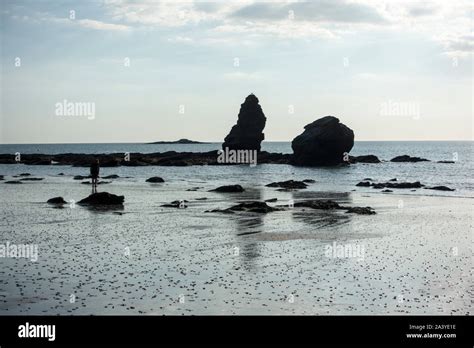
98, 182
289, 184
155, 179
406, 158
309, 181
60, 174
445, 162
404, 185
31, 179
201, 199
13, 182
102, 198
360, 210
387, 190
247, 134
331, 205
229, 188
364, 159
249, 207
439, 188
394, 179
271, 200
318, 204
392, 184
325, 141
22, 174
364, 184
56, 200
113, 176
224, 211
194, 188
176, 204
81, 177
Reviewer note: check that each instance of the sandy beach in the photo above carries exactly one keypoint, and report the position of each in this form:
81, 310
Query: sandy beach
413, 256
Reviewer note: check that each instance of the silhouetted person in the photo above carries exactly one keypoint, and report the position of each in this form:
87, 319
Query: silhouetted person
95, 168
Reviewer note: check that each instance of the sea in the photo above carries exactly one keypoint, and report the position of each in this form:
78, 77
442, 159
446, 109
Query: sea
412, 257
456, 175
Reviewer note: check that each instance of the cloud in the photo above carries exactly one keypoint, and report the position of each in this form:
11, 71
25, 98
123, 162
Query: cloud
41, 17
446, 23
315, 11
165, 13
461, 47
284, 30
98, 25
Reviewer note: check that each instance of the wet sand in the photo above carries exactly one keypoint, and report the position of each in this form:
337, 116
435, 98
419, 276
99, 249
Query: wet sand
147, 259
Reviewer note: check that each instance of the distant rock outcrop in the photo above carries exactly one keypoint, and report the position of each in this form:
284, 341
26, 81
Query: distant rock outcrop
406, 158
324, 142
247, 134
180, 141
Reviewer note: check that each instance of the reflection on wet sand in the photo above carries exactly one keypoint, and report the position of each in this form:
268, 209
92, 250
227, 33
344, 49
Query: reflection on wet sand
246, 226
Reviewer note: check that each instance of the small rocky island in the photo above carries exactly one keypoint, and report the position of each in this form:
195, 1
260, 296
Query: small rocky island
180, 141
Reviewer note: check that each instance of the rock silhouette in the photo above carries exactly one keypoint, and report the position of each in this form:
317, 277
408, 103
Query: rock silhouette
406, 158
56, 200
324, 142
229, 188
247, 133
102, 198
155, 179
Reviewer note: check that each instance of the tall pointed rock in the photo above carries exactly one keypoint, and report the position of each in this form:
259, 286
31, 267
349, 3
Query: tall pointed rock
247, 134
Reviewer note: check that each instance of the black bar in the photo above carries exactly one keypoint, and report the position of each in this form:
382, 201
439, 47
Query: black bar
225, 330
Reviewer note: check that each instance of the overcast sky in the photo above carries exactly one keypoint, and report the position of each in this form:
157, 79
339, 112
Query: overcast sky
390, 70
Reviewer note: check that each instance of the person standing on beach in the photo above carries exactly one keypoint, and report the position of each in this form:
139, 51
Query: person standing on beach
95, 168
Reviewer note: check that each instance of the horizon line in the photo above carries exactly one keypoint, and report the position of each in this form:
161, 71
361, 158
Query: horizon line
217, 142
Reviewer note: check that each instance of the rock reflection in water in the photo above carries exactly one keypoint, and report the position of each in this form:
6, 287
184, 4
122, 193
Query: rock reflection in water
321, 218
248, 225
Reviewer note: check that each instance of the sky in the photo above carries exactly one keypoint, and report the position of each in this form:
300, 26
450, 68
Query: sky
139, 71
